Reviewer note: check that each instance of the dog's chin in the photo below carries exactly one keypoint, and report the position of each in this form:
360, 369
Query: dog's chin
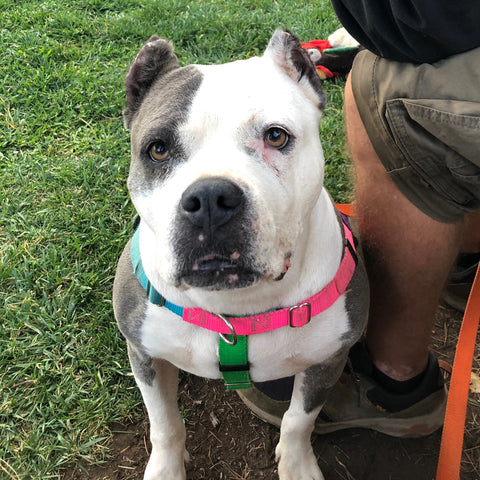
228, 279
214, 272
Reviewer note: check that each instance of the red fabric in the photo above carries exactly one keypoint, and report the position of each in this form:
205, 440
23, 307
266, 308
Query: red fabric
327, 72
320, 44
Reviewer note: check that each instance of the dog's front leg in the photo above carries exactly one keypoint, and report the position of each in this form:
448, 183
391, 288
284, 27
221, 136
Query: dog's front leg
158, 383
294, 452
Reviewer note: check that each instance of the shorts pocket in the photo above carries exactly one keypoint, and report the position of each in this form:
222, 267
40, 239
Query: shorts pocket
440, 139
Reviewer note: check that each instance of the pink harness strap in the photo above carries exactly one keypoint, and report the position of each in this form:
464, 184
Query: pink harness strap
296, 316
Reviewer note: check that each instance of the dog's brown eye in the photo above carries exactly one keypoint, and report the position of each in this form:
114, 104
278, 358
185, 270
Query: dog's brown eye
276, 137
158, 152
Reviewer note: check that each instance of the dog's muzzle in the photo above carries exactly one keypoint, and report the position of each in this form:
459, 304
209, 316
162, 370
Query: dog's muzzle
213, 235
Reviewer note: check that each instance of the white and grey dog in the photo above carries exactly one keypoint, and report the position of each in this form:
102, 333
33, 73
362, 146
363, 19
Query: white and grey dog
237, 237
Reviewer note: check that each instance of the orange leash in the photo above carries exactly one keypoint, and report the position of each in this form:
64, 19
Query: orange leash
453, 429
347, 209
451, 446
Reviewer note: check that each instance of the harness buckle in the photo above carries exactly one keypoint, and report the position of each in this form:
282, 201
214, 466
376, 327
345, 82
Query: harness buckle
293, 309
227, 322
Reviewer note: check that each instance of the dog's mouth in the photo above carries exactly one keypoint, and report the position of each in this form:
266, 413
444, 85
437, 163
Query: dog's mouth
213, 262
219, 272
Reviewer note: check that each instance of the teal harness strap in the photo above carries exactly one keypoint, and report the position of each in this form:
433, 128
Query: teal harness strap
233, 362
154, 297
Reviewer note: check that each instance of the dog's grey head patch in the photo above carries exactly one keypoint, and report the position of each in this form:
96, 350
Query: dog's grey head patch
293, 59
159, 95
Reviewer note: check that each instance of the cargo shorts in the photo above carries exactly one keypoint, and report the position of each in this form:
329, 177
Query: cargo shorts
424, 124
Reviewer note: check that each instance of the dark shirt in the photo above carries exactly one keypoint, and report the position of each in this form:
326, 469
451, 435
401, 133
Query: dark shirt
415, 31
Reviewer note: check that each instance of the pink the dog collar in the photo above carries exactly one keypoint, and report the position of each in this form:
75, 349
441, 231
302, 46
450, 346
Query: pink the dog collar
295, 316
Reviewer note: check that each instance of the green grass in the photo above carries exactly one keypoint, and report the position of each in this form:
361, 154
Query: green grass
65, 213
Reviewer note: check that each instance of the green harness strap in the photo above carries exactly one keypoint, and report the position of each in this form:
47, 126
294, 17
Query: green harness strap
233, 360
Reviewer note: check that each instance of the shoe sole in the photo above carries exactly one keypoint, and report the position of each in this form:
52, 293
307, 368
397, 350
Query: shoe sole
412, 427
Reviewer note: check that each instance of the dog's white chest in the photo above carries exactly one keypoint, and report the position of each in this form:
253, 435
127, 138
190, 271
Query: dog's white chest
279, 353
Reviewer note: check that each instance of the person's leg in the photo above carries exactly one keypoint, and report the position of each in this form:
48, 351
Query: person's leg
408, 257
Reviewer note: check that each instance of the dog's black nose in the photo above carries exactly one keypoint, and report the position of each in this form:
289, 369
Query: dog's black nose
211, 202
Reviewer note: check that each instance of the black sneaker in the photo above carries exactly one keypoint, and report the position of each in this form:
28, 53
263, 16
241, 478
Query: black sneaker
358, 401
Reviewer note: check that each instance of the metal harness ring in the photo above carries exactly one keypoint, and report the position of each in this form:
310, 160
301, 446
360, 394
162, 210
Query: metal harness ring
227, 322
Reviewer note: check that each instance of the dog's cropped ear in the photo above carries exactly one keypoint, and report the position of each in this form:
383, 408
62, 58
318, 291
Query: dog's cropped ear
156, 58
287, 52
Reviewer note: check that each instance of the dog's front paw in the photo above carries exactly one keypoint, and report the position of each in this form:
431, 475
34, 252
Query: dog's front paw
164, 464
297, 463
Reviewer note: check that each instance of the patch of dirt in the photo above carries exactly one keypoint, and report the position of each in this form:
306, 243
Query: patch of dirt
227, 442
